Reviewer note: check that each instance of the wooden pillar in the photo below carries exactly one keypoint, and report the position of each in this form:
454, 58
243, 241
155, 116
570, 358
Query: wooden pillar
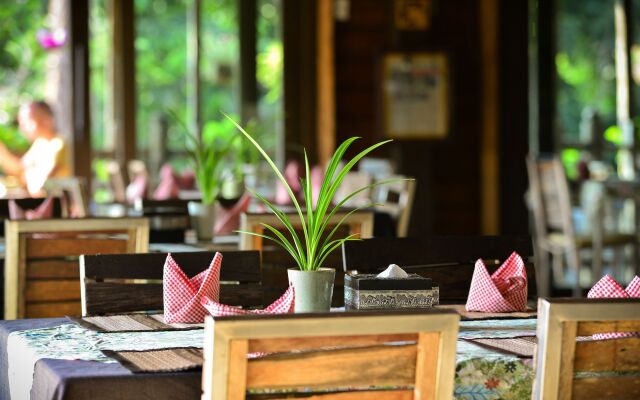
122, 21
627, 165
194, 109
325, 76
489, 153
79, 88
542, 81
248, 82
299, 77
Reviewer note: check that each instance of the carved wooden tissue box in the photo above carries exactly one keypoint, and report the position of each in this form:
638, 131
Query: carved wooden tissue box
369, 292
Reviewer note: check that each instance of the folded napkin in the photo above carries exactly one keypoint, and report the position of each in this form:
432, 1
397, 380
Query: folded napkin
137, 189
183, 296
228, 220
168, 188
292, 174
44, 210
283, 305
504, 291
609, 288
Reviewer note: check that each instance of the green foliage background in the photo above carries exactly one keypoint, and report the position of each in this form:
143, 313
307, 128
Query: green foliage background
22, 63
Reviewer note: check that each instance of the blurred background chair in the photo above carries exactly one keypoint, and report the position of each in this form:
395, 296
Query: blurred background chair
330, 351
168, 219
28, 204
41, 260
396, 199
360, 222
354, 181
74, 192
116, 181
555, 231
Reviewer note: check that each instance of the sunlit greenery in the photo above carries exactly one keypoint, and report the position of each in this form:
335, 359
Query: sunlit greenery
584, 63
22, 63
161, 70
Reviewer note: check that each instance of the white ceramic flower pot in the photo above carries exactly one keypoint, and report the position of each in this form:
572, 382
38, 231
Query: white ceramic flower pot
313, 289
203, 219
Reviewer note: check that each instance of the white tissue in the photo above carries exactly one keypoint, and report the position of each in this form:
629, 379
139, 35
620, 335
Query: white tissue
392, 271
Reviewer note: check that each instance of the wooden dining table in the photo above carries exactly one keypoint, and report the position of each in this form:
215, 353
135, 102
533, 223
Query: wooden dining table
59, 359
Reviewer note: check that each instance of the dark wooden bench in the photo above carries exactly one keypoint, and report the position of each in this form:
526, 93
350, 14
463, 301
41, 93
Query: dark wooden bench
122, 283
448, 260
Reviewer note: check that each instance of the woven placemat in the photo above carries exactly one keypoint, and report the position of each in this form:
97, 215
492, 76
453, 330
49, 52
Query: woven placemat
524, 347
473, 315
130, 323
163, 360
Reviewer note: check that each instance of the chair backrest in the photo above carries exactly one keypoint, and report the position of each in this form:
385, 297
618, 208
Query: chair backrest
168, 219
448, 260
41, 260
73, 190
122, 283
116, 181
567, 368
360, 222
28, 204
340, 351
352, 182
396, 198
550, 198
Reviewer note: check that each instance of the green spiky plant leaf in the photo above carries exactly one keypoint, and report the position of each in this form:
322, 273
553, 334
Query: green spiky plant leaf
311, 249
207, 158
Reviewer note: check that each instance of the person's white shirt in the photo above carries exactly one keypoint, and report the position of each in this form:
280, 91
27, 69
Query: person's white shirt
39, 162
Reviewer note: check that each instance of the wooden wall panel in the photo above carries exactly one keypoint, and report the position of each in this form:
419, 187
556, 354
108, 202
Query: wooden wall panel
448, 172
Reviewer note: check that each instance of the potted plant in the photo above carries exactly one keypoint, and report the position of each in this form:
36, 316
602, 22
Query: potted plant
207, 156
312, 283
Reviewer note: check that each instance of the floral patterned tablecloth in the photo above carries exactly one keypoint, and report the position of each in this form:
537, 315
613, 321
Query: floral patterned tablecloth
481, 374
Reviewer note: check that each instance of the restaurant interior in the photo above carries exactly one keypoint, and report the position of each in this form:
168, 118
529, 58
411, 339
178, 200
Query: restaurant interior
320, 199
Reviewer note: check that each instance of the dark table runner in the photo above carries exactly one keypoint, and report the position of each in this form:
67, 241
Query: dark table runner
69, 380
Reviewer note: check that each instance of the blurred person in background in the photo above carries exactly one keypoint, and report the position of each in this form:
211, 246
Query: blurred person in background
46, 156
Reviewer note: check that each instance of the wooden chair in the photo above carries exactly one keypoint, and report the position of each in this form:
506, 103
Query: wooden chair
116, 182
352, 182
339, 356
396, 198
123, 283
448, 260
29, 204
74, 191
168, 219
554, 229
567, 368
41, 266
360, 222
275, 260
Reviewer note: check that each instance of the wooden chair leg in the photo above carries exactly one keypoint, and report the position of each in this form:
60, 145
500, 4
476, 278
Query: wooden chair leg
635, 258
573, 259
557, 265
543, 272
618, 264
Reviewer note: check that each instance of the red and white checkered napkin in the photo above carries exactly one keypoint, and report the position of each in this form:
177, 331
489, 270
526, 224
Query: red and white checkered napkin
183, 296
44, 210
609, 288
283, 305
504, 291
